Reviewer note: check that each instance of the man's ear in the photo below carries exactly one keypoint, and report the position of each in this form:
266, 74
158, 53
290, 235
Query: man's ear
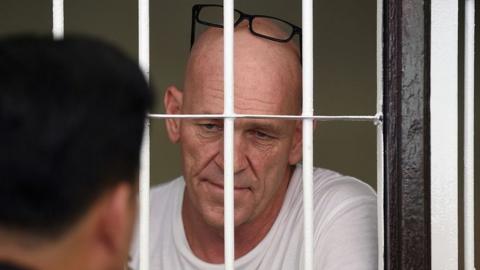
173, 102
114, 228
296, 149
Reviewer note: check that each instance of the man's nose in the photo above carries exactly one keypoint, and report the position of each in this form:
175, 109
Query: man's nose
240, 162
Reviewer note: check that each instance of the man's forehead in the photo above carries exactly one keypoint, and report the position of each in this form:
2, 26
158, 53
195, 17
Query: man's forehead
210, 100
210, 42
266, 73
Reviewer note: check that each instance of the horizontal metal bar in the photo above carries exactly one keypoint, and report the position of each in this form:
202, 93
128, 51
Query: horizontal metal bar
365, 118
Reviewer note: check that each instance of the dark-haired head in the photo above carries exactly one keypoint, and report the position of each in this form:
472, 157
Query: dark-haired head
71, 122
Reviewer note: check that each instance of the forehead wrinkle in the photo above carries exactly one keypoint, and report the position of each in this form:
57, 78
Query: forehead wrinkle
260, 64
270, 125
256, 100
254, 105
208, 49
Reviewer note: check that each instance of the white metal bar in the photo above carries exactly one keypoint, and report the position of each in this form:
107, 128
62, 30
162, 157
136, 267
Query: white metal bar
380, 153
444, 138
380, 195
365, 118
469, 237
57, 19
144, 197
144, 36
144, 188
229, 228
307, 105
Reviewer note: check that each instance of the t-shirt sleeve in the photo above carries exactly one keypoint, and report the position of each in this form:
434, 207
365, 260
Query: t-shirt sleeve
346, 238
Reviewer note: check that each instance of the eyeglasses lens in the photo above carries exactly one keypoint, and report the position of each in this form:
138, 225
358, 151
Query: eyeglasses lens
270, 27
214, 15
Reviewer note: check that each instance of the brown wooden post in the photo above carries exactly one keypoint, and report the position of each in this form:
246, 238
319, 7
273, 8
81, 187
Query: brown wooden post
406, 53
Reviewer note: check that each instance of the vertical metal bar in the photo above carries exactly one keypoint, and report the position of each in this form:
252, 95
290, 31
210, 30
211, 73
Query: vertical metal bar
144, 188
444, 138
380, 196
57, 19
380, 154
228, 6
144, 195
469, 237
307, 103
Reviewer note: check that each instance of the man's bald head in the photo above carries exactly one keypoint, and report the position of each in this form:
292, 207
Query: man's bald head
258, 62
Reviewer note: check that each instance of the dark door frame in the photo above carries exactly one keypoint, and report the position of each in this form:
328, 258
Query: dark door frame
406, 61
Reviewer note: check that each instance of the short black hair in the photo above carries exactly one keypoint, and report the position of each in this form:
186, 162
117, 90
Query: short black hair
72, 116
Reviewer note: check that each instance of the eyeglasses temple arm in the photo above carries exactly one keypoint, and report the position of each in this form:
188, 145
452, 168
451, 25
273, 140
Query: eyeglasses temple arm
192, 31
301, 49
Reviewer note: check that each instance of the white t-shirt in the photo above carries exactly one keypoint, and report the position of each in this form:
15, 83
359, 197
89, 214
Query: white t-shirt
345, 233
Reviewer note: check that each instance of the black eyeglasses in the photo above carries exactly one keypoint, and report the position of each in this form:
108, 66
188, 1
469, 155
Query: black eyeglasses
212, 15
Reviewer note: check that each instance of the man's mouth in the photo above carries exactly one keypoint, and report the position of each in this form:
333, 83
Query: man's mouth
219, 186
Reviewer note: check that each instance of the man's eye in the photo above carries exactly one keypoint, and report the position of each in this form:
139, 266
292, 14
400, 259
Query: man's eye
211, 127
261, 135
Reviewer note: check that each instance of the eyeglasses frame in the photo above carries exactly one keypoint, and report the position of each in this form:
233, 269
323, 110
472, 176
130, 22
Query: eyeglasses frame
198, 7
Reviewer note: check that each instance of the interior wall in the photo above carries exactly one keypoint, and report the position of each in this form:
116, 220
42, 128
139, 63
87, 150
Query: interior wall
344, 83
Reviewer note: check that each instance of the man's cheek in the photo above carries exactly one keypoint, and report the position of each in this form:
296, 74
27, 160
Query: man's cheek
264, 161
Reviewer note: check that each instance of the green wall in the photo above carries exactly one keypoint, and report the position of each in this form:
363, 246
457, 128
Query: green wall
344, 64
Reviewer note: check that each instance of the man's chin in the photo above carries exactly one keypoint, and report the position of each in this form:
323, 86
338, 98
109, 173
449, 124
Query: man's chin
217, 221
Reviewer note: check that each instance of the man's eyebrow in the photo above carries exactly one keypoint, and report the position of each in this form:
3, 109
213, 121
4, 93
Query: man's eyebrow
206, 111
265, 125
220, 120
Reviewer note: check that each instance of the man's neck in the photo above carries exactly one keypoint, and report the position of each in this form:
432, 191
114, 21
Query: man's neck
30, 252
38, 259
5, 265
207, 243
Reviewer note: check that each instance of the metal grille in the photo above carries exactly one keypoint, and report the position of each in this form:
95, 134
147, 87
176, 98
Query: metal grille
441, 218
229, 117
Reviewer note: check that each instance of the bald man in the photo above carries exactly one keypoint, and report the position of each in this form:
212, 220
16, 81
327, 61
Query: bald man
187, 222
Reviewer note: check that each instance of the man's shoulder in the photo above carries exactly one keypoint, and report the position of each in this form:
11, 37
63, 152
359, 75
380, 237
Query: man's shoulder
165, 203
166, 191
333, 182
342, 197
332, 188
